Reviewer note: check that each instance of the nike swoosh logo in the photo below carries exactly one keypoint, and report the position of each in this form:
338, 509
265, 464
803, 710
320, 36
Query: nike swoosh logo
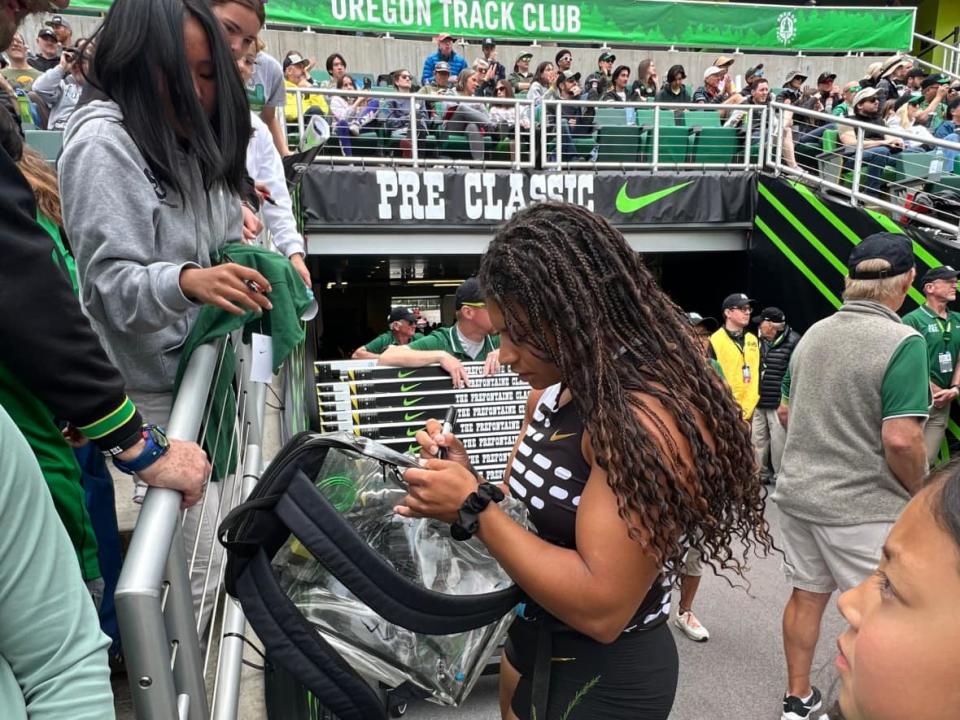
557, 435
407, 402
411, 386
413, 449
407, 417
405, 374
627, 205
411, 432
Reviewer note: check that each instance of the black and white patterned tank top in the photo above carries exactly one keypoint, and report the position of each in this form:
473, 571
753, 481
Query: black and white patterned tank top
548, 475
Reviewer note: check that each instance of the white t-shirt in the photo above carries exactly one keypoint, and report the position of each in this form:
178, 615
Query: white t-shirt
470, 347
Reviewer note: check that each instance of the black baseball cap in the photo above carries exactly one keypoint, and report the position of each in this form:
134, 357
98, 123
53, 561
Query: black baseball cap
773, 314
469, 293
917, 72
57, 20
696, 319
47, 33
826, 77
736, 300
570, 74
895, 249
914, 98
489, 42
944, 272
934, 80
606, 57
401, 313
755, 71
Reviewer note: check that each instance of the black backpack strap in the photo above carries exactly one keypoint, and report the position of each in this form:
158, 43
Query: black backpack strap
294, 644
329, 536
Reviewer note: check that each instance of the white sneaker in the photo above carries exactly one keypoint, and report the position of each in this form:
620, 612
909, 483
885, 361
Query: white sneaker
691, 627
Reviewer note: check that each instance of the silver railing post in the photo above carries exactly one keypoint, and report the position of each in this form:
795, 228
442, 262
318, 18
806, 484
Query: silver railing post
747, 141
517, 155
559, 147
301, 126
414, 139
857, 165
779, 129
656, 137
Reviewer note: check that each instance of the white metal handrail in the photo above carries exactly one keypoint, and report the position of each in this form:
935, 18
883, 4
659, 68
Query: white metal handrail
951, 55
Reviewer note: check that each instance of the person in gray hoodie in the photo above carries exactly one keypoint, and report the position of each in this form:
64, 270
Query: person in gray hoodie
150, 181
60, 86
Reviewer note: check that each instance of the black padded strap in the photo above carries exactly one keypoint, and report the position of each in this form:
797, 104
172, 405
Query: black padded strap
294, 644
328, 535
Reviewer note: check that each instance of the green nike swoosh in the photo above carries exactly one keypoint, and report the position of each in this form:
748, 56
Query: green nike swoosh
401, 374
627, 205
407, 402
407, 417
411, 386
412, 431
413, 449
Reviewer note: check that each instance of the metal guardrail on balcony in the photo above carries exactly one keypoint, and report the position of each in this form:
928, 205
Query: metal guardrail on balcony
912, 177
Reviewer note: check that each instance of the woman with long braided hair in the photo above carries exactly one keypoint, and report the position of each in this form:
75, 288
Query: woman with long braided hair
631, 452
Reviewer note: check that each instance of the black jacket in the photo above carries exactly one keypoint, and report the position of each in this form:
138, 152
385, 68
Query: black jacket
774, 360
45, 339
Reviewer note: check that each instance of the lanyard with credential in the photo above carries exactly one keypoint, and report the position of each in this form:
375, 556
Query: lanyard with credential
745, 369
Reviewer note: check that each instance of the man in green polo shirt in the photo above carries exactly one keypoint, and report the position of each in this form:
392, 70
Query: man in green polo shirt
469, 339
402, 324
940, 328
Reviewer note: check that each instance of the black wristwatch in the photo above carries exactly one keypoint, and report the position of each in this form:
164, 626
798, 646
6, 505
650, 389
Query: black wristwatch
468, 520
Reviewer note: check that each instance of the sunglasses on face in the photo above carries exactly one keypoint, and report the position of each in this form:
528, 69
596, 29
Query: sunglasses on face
501, 89
405, 77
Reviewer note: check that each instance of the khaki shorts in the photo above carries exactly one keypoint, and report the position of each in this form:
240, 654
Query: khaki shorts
823, 558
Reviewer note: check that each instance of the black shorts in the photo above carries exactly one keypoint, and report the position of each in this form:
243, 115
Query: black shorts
637, 674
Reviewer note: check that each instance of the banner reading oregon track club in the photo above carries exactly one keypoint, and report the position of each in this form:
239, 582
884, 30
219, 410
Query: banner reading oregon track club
352, 197
390, 405
646, 22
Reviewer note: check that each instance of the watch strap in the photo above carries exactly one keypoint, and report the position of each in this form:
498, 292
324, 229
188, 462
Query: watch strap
152, 451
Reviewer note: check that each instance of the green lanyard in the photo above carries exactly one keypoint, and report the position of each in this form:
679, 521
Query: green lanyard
944, 330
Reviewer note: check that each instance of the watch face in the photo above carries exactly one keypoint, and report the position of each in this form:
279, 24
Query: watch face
157, 435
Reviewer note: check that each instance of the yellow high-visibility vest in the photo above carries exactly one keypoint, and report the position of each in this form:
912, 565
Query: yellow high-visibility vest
741, 368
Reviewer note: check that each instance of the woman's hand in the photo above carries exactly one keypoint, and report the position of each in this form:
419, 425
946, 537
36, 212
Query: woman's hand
437, 490
251, 224
432, 438
228, 287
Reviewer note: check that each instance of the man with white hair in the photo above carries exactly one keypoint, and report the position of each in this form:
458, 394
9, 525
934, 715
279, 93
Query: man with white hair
777, 343
856, 398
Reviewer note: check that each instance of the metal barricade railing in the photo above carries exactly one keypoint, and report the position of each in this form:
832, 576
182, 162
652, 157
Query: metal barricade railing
426, 129
168, 656
652, 136
949, 55
915, 184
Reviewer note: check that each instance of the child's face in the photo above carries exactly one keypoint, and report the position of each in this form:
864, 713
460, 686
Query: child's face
900, 656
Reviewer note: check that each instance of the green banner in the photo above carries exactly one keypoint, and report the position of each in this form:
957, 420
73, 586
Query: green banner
642, 22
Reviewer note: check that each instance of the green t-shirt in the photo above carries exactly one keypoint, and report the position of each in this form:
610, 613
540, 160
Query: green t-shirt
21, 79
384, 340
448, 340
904, 391
943, 341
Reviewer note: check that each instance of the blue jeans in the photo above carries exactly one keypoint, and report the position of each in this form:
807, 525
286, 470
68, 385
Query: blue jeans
874, 161
949, 156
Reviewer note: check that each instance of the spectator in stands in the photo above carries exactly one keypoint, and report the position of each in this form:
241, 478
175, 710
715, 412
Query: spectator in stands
544, 82
937, 322
673, 90
905, 118
849, 90
47, 56
647, 83
295, 76
61, 27
445, 53
469, 339
576, 122
598, 83
777, 343
486, 78
915, 79
893, 78
872, 74
933, 107
877, 146
950, 130
759, 95
145, 274
828, 92
889, 111
857, 399
563, 60
19, 73
470, 118
59, 88
441, 86
265, 166
753, 75
489, 48
352, 114
954, 91
738, 352
618, 91
241, 21
401, 330
505, 116
726, 81
711, 92
521, 78
337, 67
396, 113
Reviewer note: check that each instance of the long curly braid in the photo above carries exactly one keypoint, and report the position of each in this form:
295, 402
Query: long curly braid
574, 291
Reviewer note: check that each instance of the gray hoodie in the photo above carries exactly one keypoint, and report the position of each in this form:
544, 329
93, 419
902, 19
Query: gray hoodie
132, 237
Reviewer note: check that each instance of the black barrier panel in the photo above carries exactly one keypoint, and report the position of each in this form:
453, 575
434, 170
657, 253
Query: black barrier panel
391, 404
378, 198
